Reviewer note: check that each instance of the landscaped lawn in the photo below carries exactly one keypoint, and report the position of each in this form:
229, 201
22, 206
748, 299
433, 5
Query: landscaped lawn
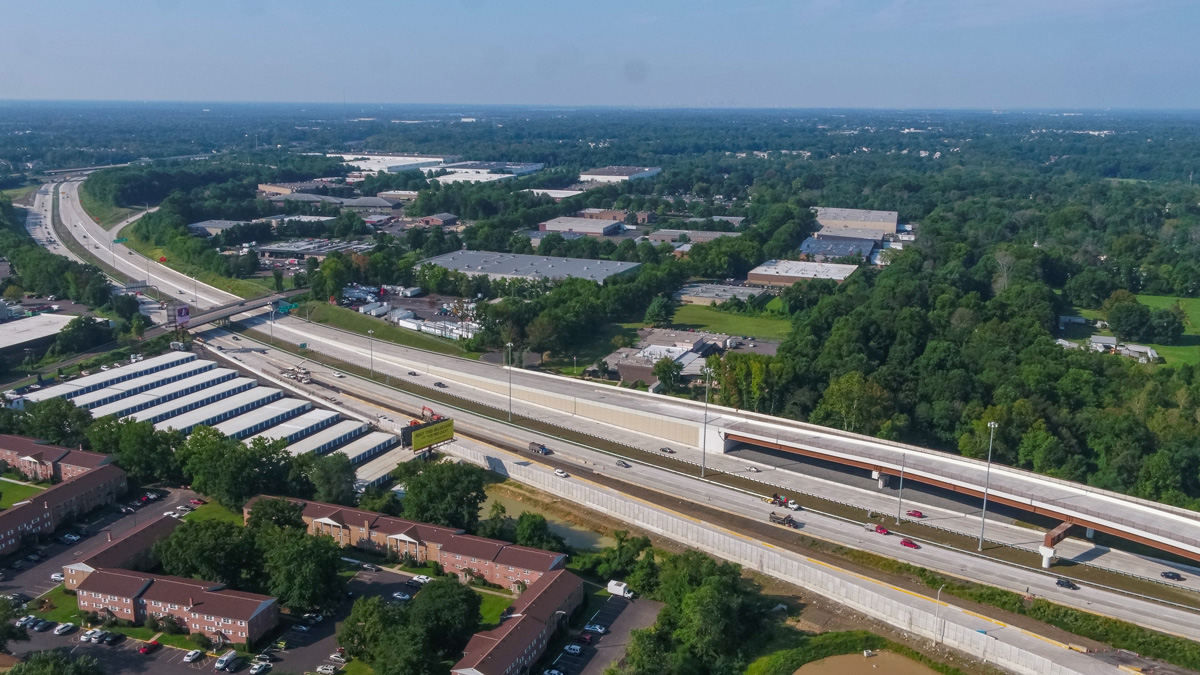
214, 511
65, 607
492, 609
66, 610
346, 319
702, 317
105, 214
11, 493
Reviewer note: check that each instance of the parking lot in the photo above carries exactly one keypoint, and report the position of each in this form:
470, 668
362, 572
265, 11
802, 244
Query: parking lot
619, 617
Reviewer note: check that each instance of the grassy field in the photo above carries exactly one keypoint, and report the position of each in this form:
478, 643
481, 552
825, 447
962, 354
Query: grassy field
244, 288
1186, 352
105, 214
346, 319
214, 511
492, 609
600, 346
17, 195
11, 493
701, 317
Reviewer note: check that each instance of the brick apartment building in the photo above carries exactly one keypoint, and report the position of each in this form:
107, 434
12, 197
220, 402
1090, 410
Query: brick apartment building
133, 551
206, 607
46, 511
460, 554
45, 462
529, 625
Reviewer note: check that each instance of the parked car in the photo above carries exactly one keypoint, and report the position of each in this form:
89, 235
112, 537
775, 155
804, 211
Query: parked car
113, 638
552, 671
28, 620
183, 508
401, 596
198, 502
128, 509
422, 579
909, 543
57, 576
192, 656
914, 514
264, 657
1173, 576
259, 668
99, 636
69, 538
299, 628
171, 514
64, 628
336, 658
561, 474
584, 638
368, 567
313, 618
152, 496
326, 669
1067, 584
43, 625
595, 628
149, 647
87, 636
573, 649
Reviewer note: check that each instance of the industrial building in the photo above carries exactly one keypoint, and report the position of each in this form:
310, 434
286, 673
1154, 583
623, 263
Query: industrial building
508, 168
556, 195
394, 163
361, 449
693, 236
882, 222
212, 228
33, 332
138, 385
301, 249
262, 418
617, 174
221, 410
822, 248
439, 220
788, 272
192, 401
593, 227
713, 294
327, 439
294, 429
517, 266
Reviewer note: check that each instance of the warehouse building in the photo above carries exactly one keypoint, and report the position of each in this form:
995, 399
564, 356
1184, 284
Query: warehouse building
361, 449
221, 410
192, 401
33, 332
211, 228
693, 236
137, 402
831, 219
618, 174
713, 294
262, 418
138, 385
822, 248
304, 425
593, 227
556, 195
517, 266
327, 439
788, 272
90, 383
482, 168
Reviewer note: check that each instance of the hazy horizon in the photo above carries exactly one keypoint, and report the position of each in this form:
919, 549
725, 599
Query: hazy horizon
816, 54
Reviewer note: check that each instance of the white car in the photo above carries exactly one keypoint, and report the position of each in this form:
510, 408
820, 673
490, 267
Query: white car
337, 658
183, 508
72, 538
192, 656
300, 628
561, 474
87, 637
402, 596
326, 669
57, 576
171, 513
258, 668
422, 579
595, 628
338, 375
573, 649
64, 628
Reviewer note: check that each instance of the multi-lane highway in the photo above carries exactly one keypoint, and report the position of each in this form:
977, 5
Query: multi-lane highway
398, 361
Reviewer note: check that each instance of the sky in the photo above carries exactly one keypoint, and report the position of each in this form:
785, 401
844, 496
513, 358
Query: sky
980, 54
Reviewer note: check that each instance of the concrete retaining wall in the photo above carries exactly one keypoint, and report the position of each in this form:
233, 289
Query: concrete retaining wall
791, 568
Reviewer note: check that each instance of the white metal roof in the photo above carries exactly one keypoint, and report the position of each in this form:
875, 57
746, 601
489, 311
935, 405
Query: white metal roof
113, 375
365, 444
380, 466
30, 328
151, 380
298, 426
307, 445
224, 388
254, 398
287, 407
164, 393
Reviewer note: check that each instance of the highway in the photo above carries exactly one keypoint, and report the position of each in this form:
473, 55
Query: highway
357, 391
397, 361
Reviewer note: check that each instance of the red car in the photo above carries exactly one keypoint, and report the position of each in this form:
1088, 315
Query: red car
197, 502
879, 529
584, 638
914, 514
909, 543
149, 647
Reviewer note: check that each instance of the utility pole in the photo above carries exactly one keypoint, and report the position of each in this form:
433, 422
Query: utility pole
704, 433
371, 346
937, 615
900, 503
987, 481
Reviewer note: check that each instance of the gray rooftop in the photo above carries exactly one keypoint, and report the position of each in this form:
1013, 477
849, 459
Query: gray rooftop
239, 426
143, 383
836, 247
508, 265
349, 428
298, 426
20, 331
166, 392
216, 224
367, 444
213, 412
619, 170
111, 376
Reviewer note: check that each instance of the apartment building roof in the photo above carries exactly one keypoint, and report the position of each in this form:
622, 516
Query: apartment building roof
544, 596
527, 558
56, 454
119, 583
115, 553
476, 547
202, 597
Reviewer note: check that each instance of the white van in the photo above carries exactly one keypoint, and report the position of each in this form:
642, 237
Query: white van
225, 659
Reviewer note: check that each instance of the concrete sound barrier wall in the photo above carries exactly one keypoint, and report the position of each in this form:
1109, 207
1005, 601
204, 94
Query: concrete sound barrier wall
860, 595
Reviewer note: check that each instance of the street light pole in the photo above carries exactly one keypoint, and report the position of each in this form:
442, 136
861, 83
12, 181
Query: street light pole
937, 616
371, 346
272, 325
195, 292
987, 482
900, 503
509, 345
704, 434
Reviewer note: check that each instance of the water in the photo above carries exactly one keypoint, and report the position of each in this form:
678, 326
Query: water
889, 663
576, 536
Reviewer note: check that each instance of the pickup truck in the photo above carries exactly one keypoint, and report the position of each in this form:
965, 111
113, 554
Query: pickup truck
538, 448
782, 500
786, 520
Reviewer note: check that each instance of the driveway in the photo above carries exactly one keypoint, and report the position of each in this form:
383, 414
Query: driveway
621, 616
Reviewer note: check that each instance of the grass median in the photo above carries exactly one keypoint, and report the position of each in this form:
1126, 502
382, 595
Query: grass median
244, 288
346, 319
102, 212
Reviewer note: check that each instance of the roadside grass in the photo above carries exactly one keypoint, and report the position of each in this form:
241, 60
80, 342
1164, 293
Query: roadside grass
598, 347
105, 214
347, 319
1187, 352
11, 493
244, 288
214, 511
701, 317
492, 609
19, 194
792, 649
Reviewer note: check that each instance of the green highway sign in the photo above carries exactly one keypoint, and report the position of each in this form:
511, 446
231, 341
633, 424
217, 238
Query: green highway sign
303, 345
287, 306
122, 240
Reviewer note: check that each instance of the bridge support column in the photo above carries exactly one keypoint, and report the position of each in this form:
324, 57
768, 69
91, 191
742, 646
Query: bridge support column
1089, 533
882, 478
1048, 553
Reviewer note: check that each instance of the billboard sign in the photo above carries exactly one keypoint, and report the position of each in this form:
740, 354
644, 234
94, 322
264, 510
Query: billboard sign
183, 315
432, 434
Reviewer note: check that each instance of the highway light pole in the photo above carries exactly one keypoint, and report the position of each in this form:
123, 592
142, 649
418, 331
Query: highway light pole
371, 346
195, 292
987, 481
509, 345
937, 615
704, 433
900, 503
272, 325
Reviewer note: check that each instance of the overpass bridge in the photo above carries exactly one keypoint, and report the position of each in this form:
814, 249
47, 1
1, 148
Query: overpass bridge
231, 309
